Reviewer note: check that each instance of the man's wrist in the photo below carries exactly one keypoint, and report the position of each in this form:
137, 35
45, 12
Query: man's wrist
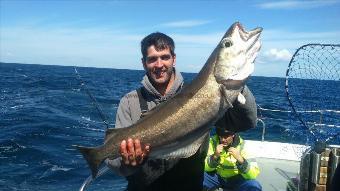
244, 167
240, 160
216, 156
212, 161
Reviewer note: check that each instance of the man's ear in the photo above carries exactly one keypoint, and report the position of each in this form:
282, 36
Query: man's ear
143, 62
174, 63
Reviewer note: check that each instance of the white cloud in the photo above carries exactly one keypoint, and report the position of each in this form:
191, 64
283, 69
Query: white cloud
296, 4
278, 55
110, 48
272, 62
186, 23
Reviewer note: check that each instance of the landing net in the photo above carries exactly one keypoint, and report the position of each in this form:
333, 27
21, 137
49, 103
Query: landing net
313, 90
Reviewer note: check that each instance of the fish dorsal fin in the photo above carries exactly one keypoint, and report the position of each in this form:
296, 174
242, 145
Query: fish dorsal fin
183, 152
111, 132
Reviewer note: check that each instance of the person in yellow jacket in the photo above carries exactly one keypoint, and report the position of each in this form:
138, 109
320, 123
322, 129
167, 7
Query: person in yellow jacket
227, 166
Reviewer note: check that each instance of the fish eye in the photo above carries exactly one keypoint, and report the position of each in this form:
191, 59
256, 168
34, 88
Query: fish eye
227, 42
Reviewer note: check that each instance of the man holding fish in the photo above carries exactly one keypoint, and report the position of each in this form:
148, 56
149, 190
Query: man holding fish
165, 148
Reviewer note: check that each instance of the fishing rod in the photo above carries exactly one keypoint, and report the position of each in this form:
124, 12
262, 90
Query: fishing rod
105, 169
93, 99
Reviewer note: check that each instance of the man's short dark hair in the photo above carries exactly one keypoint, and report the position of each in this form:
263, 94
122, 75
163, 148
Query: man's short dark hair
223, 132
160, 41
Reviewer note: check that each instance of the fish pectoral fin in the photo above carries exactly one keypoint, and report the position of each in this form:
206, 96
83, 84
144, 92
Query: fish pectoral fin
226, 96
234, 84
183, 152
228, 89
241, 99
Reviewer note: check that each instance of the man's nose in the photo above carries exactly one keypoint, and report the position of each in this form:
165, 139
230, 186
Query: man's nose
159, 63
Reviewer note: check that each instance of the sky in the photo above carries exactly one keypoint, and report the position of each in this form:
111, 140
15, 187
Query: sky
107, 33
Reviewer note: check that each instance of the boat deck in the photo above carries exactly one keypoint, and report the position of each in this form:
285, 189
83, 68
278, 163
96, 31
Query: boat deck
278, 162
276, 173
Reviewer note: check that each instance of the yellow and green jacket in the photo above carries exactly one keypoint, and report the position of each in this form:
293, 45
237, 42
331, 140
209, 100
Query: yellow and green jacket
226, 165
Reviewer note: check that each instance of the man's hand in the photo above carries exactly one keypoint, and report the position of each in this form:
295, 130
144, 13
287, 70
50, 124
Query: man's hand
219, 149
132, 152
236, 154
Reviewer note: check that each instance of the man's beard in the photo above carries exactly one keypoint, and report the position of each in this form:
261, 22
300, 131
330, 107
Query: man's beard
164, 79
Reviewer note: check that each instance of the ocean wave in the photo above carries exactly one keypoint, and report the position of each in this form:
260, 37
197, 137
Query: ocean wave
17, 106
10, 146
60, 168
54, 169
86, 127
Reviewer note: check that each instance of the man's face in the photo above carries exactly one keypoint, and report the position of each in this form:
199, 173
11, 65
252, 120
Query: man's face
227, 139
159, 65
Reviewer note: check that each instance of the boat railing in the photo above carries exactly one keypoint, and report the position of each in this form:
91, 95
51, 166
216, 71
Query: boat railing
263, 128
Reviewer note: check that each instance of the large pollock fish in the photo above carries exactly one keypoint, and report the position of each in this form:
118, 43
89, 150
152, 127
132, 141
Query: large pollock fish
177, 128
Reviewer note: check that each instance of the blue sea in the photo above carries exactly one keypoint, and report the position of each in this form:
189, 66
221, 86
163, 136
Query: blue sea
44, 111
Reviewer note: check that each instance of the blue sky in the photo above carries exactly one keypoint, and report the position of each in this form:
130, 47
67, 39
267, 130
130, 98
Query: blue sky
106, 33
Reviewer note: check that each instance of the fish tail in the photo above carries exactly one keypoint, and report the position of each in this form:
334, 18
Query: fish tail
92, 157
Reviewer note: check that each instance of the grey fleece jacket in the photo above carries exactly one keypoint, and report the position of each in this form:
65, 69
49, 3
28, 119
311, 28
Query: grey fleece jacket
129, 110
238, 118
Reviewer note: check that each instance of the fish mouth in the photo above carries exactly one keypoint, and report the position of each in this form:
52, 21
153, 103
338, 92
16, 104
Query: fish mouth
250, 37
254, 39
247, 35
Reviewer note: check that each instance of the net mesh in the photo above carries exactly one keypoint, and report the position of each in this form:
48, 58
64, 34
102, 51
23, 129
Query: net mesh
313, 90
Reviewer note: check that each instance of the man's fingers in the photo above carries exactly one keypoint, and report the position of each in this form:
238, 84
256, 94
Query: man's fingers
138, 151
147, 149
138, 148
220, 147
130, 147
123, 152
131, 152
234, 152
144, 154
